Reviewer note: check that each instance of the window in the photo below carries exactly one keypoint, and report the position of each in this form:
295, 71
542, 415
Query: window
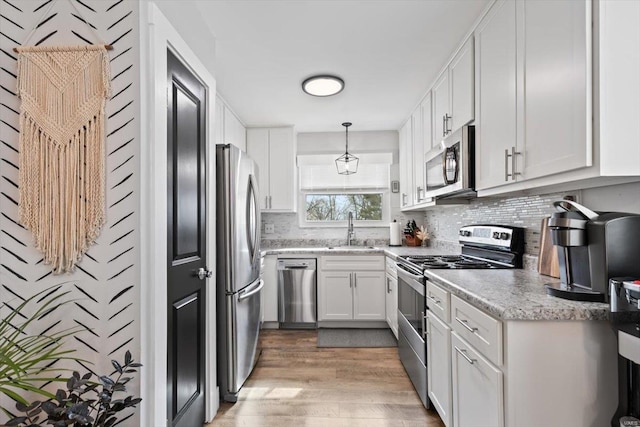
336, 207
326, 198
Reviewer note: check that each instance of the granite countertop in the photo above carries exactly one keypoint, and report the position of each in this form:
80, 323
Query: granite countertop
391, 251
515, 294
507, 294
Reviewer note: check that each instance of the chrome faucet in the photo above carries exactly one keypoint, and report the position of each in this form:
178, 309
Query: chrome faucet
350, 233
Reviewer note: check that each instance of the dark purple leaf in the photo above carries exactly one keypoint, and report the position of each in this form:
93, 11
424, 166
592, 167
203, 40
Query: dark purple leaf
127, 357
17, 421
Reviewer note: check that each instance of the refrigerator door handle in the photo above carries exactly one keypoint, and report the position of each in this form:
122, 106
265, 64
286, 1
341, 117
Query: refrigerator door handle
252, 289
252, 217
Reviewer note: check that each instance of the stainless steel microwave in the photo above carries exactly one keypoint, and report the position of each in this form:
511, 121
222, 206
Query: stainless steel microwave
450, 167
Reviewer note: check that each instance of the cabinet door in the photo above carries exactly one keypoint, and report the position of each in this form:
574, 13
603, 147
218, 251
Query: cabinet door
270, 290
335, 295
369, 295
392, 304
282, 169
439, 366
406, 166
258, 150
495, 40
477, 388
427, 125
417, 157
556, 43
461, 73
440, 100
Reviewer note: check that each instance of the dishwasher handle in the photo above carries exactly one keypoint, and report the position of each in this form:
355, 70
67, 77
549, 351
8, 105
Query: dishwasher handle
296, 264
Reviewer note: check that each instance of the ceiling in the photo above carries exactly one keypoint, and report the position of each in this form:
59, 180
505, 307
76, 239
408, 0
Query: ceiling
388, 53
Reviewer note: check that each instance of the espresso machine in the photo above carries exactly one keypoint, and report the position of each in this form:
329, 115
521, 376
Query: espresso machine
592, 247
624, 301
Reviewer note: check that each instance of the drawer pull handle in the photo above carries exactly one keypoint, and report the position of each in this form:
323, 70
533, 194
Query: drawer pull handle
463, 353
467, 327
435, 300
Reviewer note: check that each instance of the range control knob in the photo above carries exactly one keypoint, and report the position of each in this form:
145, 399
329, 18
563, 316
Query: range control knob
465, 233
496, 235
504, 236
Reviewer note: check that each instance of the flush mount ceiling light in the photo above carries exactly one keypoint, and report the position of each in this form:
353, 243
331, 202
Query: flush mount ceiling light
347, 164
323, 85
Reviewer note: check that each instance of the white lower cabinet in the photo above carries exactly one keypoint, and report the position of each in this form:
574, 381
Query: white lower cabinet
439, 366
351, 288
477, 387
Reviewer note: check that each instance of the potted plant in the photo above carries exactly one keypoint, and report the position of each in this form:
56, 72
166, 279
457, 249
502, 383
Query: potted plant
83, 403
26, 360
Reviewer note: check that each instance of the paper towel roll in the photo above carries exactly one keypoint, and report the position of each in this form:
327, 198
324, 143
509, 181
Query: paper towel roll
395, 234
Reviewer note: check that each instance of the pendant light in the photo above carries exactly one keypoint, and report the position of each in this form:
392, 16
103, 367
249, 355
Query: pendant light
347, 164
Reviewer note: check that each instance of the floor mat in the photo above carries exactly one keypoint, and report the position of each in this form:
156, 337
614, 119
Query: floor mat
356, 338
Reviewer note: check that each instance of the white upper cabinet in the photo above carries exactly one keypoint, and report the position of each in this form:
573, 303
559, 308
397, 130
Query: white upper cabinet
441, 110
273, 149
534, 100
496, 89
453, 94
556, 96
461, 76
228, 128
417, 155
427, 125
406, 166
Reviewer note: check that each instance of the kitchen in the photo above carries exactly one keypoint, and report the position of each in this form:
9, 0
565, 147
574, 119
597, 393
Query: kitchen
459, 70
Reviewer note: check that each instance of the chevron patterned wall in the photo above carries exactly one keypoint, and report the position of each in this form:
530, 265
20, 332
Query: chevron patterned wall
105, 286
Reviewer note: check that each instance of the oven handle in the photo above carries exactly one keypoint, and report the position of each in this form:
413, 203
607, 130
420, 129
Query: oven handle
414, 281
424, 325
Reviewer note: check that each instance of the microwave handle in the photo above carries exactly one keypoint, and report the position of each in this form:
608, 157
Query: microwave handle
444, 166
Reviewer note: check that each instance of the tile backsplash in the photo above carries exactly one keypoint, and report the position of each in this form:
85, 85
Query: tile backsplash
527, 211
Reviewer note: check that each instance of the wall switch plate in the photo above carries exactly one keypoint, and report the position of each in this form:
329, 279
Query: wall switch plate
269, 229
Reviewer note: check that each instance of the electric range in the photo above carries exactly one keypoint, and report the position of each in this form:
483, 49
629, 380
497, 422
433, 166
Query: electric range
483, 247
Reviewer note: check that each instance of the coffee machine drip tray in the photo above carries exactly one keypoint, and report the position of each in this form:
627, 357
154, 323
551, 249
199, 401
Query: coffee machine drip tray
575, 293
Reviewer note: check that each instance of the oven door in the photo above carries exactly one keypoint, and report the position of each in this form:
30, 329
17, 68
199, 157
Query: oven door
411, 329
411, 310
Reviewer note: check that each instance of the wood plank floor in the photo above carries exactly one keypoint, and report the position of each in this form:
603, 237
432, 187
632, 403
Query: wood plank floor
297, 384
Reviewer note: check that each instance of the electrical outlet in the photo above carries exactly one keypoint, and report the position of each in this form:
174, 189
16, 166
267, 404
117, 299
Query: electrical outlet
269, 229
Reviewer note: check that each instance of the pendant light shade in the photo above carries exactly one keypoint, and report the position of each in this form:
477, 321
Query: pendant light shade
347, 164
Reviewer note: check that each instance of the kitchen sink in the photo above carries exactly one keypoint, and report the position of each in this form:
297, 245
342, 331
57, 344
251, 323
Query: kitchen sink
352, 248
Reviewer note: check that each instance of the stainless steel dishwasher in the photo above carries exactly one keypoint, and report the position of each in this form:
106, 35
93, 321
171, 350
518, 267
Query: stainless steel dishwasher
297, 293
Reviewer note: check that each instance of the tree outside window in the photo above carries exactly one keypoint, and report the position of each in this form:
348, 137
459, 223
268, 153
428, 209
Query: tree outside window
336, 207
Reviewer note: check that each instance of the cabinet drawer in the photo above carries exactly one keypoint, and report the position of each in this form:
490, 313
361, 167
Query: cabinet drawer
391, 267
478, 328
438, 301
478, 393
352, 263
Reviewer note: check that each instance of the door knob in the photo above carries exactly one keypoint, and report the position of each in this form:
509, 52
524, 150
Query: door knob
203, 273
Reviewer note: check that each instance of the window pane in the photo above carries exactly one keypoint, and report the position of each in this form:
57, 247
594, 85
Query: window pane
336, 207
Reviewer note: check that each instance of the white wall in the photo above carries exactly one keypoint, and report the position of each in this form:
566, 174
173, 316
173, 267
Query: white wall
287, 230
187, 19
106, 283
618, 198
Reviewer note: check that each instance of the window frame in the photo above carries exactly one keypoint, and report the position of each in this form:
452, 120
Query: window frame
386, 209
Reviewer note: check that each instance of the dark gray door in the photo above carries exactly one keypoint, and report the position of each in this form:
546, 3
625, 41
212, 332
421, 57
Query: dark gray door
186, 249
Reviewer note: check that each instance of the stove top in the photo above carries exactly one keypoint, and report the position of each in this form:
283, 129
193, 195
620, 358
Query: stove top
458, 262
483, 247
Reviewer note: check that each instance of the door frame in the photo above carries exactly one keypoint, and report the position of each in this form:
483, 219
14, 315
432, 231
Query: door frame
156, 36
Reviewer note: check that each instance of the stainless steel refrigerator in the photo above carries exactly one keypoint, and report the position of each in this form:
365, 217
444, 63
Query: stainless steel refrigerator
238, 268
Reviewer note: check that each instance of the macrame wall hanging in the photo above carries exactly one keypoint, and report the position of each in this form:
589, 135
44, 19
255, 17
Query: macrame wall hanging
63, 90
